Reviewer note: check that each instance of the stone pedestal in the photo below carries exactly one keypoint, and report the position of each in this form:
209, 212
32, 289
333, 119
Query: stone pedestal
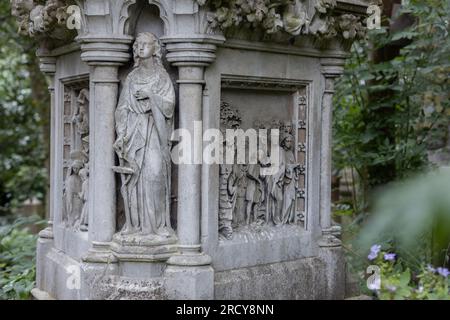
189, 283
125, 222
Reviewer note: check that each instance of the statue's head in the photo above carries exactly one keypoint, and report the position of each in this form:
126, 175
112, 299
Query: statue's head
287, 127
146, 46
77, 165
288, 141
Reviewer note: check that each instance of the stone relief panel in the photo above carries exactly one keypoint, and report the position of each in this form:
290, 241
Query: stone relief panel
76, 156
144, 123
250, 201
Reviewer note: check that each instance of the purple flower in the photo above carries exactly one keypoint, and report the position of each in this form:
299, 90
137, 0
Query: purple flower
443, 272
391, 288
374, 250
430, 268
389, 256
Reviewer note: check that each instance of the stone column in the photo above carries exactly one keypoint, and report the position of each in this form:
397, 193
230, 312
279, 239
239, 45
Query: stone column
189, 272
47, 65
330, 246
331, 69
104, 56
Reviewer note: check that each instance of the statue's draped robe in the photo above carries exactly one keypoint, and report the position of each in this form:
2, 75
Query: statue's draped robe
146, 126
73, 202
283, 190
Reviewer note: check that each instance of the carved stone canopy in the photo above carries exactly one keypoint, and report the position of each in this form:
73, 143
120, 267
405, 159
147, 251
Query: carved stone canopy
47, 20
319, 18
44, 19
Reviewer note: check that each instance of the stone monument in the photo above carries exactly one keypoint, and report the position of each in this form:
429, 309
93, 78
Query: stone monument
126, 221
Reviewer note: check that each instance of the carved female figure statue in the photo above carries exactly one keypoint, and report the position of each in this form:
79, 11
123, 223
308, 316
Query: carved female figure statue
239, 181
143, 125
84, 196
289, 181
227, 193
82, 114
254, 194
80, 119
283, 186
72, 190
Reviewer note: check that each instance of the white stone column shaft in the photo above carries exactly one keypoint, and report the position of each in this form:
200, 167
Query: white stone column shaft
326, 161
104, 55
189, 175
191, 56
104, 86
331, 69
47, 65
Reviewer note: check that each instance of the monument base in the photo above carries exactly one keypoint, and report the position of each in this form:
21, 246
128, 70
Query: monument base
308, 278
303, 279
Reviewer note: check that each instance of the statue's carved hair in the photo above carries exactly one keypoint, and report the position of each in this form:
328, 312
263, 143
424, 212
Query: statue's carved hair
150, 37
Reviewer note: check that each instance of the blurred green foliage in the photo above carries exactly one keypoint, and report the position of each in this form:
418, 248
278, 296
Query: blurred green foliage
23, 118
389, 113
17, 259
413, 218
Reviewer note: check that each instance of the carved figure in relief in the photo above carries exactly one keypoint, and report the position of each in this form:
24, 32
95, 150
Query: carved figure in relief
21, 9
42, 18
230, 183
144, 124
80, 120
295, 17
81, 113
84, 196
254, 194
227, 195
37, 22
239, 181
290, 180
287, 128
250, 199
85, 147
283, 189
72, 189
76, 181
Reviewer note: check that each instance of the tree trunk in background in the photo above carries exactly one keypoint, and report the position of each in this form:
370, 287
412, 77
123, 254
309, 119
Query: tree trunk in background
386, 172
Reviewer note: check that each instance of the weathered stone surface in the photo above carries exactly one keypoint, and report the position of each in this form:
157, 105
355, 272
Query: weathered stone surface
298, 279
128, 224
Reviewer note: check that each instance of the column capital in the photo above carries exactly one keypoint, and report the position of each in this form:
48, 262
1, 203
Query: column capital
199, 50
332, 67
105, 50
47, 62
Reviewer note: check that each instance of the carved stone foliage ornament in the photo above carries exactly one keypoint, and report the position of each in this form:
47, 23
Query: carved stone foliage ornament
247, 198
43, 19
294, 17
76, 157
144, 122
